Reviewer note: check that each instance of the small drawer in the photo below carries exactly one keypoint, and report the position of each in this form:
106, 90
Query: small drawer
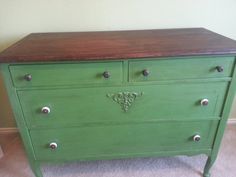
186, 68
115, 141
27, 75
69, 107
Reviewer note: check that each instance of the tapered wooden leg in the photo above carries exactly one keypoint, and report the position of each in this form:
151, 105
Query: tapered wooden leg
35, 167
209, 163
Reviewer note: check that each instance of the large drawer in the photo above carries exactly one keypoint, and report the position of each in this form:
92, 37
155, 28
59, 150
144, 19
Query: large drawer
27, 75
97, 142
186, 68
69, 107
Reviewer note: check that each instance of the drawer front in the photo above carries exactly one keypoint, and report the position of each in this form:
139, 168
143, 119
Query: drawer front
157, 70
69, 107
66, 74
122, 140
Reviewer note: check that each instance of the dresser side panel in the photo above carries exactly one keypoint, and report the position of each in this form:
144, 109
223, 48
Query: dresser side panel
17, 111
225, 113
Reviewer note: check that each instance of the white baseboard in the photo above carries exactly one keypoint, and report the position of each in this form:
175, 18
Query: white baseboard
8, 130
1, 152
232, 121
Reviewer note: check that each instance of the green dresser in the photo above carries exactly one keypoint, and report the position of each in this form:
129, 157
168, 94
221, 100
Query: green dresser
120, 94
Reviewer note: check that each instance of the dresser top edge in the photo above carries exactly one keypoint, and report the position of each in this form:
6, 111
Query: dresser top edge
109, 45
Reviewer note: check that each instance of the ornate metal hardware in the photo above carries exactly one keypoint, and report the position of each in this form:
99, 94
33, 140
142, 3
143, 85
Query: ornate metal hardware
125, 99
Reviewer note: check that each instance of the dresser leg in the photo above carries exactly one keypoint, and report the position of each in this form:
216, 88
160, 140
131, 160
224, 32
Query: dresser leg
209, 163
35, 166
206, 174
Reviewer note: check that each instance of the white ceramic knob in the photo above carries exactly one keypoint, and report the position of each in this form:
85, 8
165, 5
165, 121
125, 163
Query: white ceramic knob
197, 138
45, 110
204, 102
53, 145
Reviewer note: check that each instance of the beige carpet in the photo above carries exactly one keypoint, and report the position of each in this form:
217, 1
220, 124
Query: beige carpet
14, 164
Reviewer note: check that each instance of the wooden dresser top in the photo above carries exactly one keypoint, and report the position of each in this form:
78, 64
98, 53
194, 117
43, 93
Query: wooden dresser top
72, 46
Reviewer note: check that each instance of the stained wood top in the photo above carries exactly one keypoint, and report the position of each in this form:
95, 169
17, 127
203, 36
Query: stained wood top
118, 45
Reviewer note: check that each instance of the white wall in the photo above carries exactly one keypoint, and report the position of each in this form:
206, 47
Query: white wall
21, 17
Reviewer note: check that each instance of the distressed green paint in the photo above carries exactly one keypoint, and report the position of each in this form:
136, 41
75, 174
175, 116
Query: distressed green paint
157, 102
186, 68
225, 114
89, 125
70, 74
129, 139
23, 129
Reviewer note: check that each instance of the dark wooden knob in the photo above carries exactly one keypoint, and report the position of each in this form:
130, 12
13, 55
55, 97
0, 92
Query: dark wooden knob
219, 69
106, 74
145, 72
28, 77
53, 145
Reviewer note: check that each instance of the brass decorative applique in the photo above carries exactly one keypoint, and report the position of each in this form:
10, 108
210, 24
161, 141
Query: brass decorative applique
124, 99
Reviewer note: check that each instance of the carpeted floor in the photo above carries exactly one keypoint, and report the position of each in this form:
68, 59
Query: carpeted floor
14, 163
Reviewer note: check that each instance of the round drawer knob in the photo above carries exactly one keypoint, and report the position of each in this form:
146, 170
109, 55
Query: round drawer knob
28, 77
53, 145
219, 69
197, 138
106, 74
204, 102
45, 110
145, 72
